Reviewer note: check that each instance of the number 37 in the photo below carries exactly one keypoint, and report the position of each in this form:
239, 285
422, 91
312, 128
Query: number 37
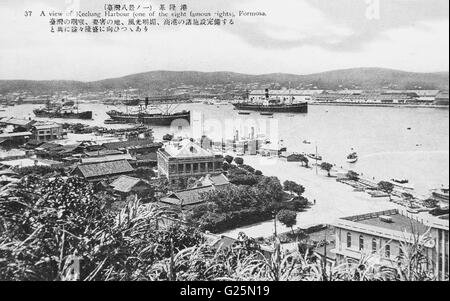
28, 13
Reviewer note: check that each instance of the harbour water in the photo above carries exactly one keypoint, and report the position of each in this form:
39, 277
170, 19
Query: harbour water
392, 142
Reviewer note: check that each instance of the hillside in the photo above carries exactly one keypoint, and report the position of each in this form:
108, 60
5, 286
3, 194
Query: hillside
364, 78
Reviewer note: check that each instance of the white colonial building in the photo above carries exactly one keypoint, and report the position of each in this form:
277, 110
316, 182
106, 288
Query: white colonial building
385, 236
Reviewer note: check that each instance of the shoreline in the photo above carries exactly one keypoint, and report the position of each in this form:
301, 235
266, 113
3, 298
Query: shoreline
334, 200
349, 104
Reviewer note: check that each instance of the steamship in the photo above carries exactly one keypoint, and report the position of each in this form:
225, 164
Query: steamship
275, 104
144, 116
148, 118
66, 110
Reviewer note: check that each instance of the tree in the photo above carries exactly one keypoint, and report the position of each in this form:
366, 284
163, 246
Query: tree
228, 159
293, 187
299, 189
431, 203
289, 186
408, 197
258, 173
327, 167
191, 183
144, 173
168, 137
386, 187
352, 175
288, 218
239, 161
248, 168
304, 160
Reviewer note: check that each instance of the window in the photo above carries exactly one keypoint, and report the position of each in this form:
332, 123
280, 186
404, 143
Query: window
374, 245
388, 251
361, 243
349, 240
401, 254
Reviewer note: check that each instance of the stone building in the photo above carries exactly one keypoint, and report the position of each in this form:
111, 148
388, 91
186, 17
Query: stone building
384, 236
180, 160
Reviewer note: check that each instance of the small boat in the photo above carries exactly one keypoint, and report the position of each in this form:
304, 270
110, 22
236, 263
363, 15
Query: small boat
306, 142
400, 181
409, 129
315, 157
352, 158
112, 121
244, 113
266, 114
403, 186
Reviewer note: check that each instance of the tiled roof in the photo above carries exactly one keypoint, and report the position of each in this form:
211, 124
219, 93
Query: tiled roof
125, 183
187, 197
46, 125
107, 158
131, 144
49, 146
186, 149
16, 121
152, 157
216, 180
105, 168
18, 134
104, 152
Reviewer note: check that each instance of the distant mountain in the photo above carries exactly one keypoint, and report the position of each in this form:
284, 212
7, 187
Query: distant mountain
363, 78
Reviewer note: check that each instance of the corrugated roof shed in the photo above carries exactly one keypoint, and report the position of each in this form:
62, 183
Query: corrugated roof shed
132, 144
107, 158
17, 122
104, 169
13, 135
105, 152
187, 197
216, 180
126, 183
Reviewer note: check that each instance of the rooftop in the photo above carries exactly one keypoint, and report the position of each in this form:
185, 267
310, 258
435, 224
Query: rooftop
46, 125
138, 143
107, 158
105, 152
29, 163
104, 168
186, 149
187, 197
126, 183
16, 121
216, 180
12, 135
398, 222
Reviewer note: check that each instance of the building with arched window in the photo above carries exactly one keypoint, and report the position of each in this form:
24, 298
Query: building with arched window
389, 233
180, 160
361, 242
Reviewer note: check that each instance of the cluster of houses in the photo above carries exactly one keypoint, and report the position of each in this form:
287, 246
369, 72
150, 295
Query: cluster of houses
115, 166
125, 167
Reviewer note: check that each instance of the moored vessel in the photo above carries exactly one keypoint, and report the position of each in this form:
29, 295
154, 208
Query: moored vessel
272, 104
352, 158
148, 118
62, 111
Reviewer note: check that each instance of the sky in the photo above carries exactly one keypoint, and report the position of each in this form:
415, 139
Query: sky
295, 36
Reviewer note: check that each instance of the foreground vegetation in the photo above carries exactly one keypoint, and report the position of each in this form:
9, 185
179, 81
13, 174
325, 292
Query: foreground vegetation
47, 227
253, 198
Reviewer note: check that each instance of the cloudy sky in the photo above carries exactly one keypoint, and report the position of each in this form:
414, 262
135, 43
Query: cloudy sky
296, 36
